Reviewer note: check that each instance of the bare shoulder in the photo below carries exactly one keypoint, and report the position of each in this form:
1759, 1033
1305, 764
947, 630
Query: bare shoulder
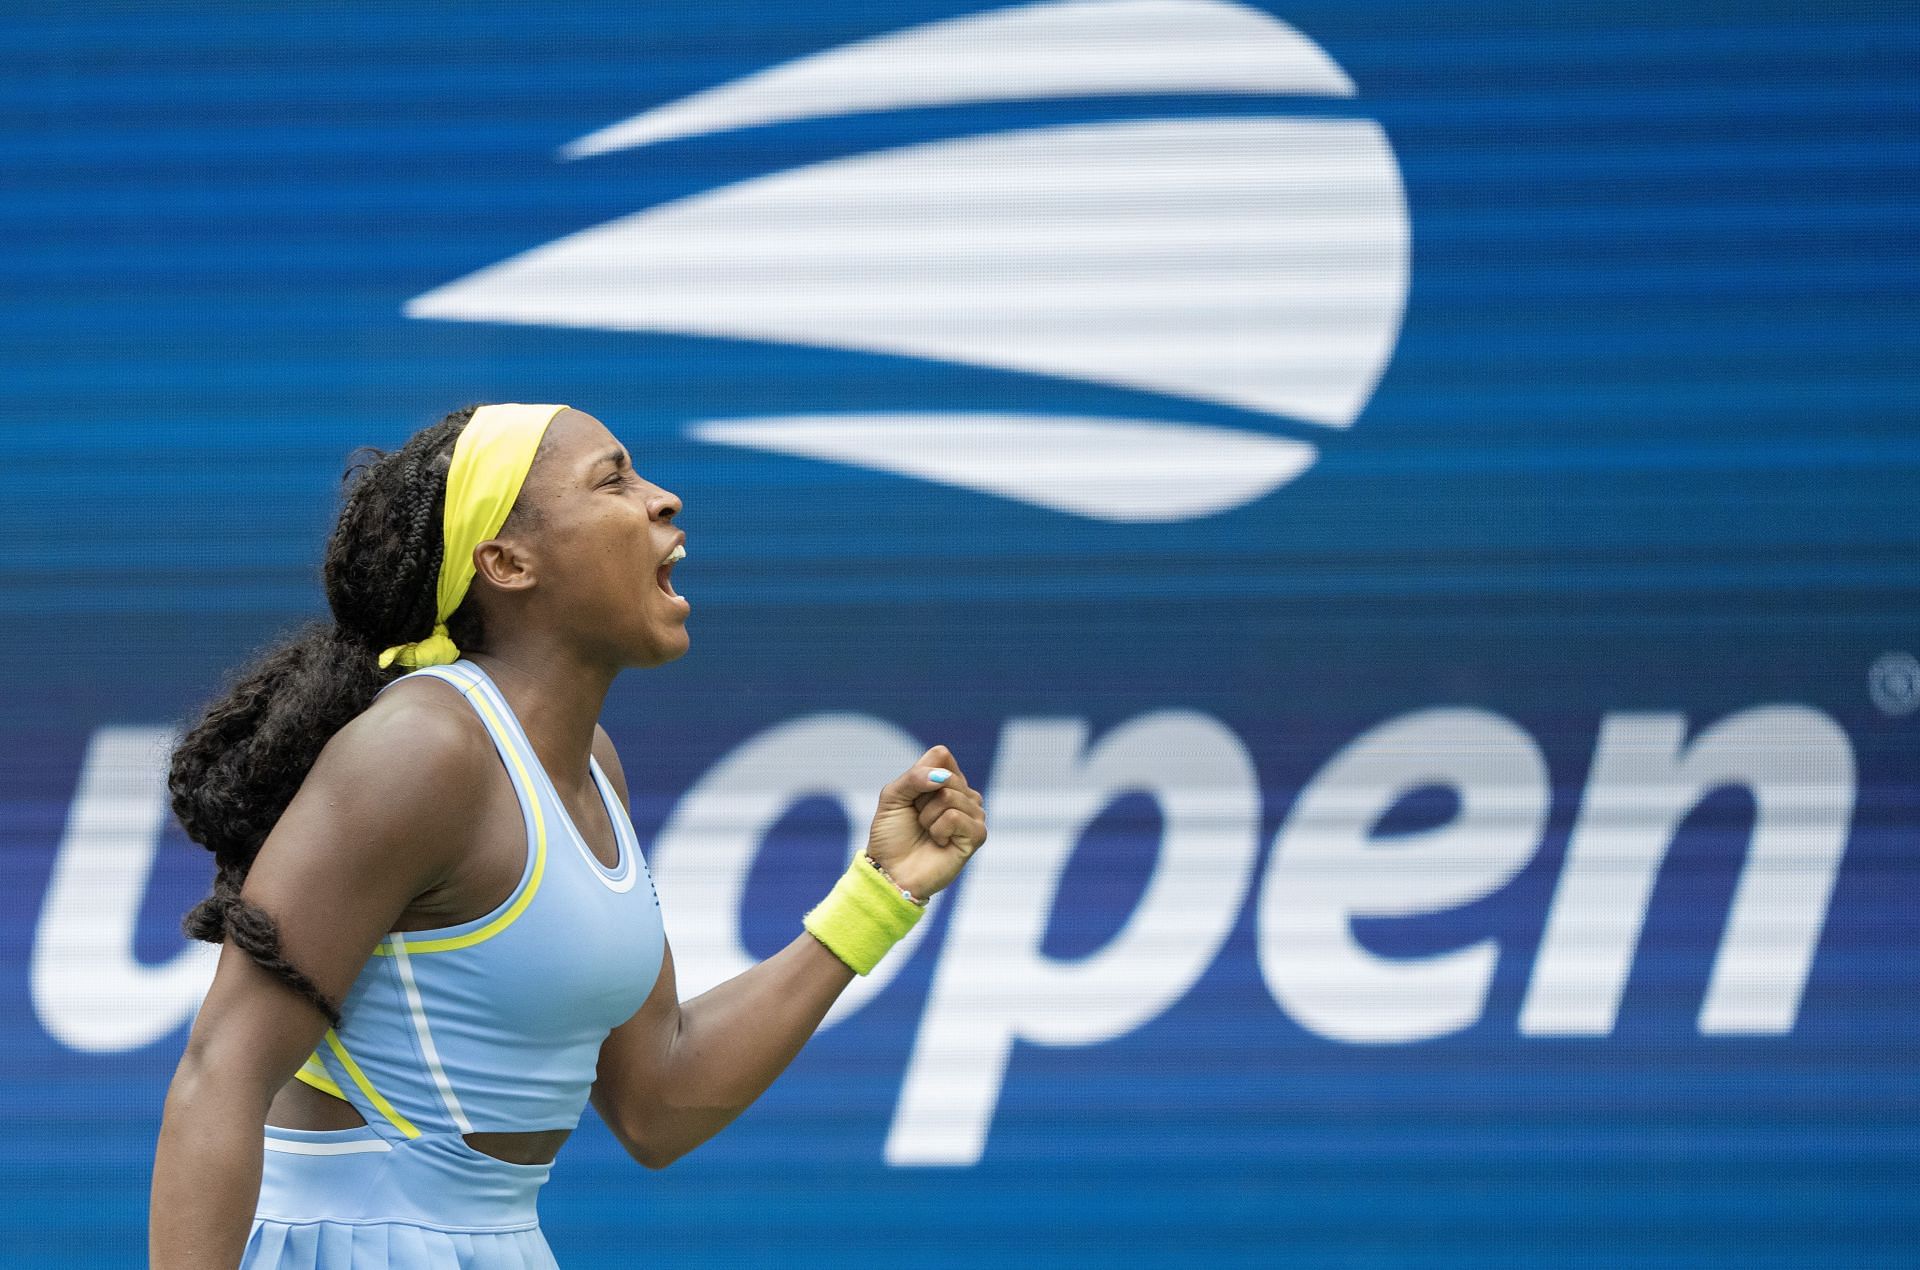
394, 792
419, 740
386, 813
610, 764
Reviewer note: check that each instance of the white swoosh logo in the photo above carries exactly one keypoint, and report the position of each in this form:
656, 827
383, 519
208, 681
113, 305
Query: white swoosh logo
1255, 262
1120, 470
1085, 48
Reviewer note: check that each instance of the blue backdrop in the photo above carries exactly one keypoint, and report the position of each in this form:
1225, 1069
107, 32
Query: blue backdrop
1405, 510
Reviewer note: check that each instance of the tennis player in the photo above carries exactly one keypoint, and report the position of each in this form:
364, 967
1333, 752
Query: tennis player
439, 940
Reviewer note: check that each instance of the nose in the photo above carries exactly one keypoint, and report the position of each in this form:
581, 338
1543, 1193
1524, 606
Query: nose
665, 505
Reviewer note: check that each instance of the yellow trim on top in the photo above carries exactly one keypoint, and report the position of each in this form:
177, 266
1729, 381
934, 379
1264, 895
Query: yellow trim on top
314, 1074
385, 947
385, 1108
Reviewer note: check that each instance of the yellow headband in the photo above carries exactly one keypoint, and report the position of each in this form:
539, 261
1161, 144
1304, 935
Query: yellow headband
490, 462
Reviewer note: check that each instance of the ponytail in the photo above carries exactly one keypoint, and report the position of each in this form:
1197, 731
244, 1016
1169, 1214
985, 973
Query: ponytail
238, 767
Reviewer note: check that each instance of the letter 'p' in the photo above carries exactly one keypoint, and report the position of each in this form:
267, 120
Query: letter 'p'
994, 985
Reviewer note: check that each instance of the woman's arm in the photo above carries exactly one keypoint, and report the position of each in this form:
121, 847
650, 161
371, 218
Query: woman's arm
675, 1074
379, 819
250, 1032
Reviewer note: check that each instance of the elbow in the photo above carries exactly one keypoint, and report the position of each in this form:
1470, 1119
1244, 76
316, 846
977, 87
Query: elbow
655, 1155
655, 1160
665, 1140
656, 1151
646, 1149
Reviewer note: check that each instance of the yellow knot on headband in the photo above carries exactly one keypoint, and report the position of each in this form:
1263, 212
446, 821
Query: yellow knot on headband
490, 462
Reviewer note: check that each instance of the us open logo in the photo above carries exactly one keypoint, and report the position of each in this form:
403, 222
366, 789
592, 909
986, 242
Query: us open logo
1260, 262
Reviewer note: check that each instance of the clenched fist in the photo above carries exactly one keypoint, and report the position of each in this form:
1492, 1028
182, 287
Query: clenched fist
925, 830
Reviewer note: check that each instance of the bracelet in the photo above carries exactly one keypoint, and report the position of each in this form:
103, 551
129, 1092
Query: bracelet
889, 877
863, 916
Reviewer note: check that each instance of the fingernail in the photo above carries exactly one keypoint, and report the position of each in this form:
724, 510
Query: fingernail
938, 774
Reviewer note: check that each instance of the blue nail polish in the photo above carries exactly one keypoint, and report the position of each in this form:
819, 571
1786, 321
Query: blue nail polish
938, 774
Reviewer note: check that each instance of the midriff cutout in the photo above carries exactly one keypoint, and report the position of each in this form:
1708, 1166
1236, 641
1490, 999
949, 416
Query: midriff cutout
299, 1105
537, 1146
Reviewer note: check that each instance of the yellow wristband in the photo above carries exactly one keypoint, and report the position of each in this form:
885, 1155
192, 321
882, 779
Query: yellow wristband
862, 916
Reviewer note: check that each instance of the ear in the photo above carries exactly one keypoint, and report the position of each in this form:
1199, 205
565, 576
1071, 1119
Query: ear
505, 563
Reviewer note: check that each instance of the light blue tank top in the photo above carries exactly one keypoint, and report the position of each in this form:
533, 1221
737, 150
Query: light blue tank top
496, 1024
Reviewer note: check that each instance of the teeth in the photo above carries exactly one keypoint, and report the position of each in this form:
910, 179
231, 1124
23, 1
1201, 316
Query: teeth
679, 553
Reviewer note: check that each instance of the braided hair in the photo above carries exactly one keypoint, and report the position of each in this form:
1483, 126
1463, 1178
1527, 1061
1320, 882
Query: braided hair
238, 767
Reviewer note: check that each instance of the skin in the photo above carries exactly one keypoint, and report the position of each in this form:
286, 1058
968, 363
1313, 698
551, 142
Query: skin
411, 802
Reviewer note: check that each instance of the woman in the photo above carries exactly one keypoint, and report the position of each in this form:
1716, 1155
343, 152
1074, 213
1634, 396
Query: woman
434, 951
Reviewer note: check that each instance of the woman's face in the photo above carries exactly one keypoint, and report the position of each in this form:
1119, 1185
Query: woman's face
604, 534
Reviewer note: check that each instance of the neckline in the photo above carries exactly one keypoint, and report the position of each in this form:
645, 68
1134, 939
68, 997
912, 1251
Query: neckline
609, 801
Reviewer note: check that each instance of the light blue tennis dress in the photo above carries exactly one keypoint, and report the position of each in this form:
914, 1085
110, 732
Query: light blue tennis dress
491, 1025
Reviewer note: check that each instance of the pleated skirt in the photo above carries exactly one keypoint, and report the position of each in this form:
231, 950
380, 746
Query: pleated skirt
350, 1199
322, 1245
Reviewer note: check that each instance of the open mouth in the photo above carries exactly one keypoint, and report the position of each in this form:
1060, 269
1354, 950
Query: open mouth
664, 574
